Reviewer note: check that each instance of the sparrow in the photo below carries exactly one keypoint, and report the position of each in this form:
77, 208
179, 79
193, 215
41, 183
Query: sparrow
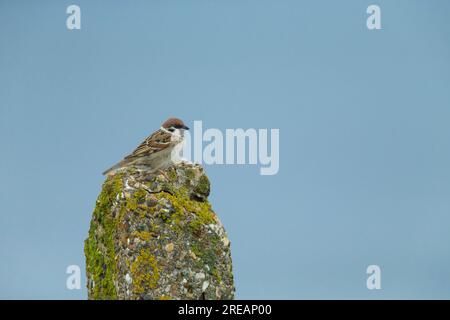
157, 151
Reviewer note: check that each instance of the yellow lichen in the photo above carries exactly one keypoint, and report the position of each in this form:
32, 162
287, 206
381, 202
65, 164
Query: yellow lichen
100, 262
145, 272
140, 195
143, 235
182, 203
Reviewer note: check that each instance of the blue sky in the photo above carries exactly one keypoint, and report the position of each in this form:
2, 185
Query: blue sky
364, 137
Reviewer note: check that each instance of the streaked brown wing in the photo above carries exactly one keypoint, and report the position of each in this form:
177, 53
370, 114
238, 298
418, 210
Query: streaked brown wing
157, 142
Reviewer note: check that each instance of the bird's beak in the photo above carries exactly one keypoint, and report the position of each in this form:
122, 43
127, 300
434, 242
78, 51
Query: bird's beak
185, 127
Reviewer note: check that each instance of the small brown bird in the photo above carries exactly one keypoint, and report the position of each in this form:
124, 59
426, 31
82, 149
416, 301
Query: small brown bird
155, 153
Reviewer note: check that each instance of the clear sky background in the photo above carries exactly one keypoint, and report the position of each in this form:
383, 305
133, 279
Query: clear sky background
364, 135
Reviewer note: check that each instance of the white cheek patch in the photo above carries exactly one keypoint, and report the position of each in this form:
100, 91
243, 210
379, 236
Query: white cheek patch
177, 135
176, 156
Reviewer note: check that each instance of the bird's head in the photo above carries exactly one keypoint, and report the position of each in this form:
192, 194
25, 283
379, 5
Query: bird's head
175, 126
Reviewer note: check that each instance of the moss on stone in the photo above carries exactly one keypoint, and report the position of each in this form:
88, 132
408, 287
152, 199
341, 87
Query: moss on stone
207, 255
190, 174
203, 186
142, 235
132, 204
203, 216
196, 249
100, 263
145, 273
216, 275
182, 203
136, 203
140, 195
172, 174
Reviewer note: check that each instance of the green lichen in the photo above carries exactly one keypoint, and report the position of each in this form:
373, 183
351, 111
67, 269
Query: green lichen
190, 174
196, 249
203, 186
207, 255
203, 216
182, 203
136, 203
131, 204
216, 275
99, 246
145, 272
172, 174
140, 195
143, 235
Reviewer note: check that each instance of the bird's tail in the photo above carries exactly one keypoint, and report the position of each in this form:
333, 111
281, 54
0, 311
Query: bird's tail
115, 167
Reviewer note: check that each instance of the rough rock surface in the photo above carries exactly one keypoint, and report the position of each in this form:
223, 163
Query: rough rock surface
156, 237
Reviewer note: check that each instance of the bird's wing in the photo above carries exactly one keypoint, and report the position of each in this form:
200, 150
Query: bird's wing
158, 141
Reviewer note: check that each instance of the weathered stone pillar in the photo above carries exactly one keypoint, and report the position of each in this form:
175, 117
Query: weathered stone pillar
156, 237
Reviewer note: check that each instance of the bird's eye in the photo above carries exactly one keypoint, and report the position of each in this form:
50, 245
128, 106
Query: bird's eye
171, 129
